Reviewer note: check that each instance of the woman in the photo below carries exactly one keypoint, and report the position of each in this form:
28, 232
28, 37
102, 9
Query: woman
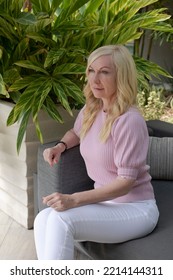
113, 141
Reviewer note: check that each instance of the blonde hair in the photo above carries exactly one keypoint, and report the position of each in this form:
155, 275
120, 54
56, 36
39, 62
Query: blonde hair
125, 97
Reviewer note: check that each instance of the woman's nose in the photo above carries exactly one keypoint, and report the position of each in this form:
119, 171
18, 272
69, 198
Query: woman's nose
96, 78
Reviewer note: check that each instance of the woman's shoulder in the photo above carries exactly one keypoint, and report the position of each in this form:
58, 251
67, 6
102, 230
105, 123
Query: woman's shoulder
130, 124
131, 118
132, 113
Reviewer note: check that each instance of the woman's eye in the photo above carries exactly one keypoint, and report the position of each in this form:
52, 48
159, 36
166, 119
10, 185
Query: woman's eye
104, 72
90, 70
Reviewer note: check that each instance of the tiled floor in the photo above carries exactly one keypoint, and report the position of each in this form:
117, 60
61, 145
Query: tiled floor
16, 242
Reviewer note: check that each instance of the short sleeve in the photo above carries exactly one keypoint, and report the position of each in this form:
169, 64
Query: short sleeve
78, 123
130, 136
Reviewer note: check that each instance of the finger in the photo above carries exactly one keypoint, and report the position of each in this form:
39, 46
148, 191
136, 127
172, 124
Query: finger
53, 196
48, 156
51, 202
55, 160
55, 206
49, 196
51, 159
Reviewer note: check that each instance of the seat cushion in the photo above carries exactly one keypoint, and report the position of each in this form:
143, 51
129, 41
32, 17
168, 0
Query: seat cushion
157, 245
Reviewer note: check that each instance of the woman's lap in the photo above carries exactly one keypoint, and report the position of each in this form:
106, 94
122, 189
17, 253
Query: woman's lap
106, 222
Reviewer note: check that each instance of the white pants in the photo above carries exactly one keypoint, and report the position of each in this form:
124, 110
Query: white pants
55, 232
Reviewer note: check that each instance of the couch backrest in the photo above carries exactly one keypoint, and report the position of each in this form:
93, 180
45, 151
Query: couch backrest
160, 158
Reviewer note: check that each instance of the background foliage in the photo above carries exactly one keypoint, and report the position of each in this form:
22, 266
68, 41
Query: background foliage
44, 46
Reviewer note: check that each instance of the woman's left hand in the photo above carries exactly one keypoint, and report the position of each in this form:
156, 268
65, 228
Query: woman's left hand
59, 201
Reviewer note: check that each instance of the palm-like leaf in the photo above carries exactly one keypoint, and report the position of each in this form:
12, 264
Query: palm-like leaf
69, 68
22, 129
31, 65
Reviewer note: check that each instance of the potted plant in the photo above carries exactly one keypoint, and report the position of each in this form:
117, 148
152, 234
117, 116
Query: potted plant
37, 72
44, 46
43, 50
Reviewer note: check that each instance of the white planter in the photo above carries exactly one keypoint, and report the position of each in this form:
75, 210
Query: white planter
16, 171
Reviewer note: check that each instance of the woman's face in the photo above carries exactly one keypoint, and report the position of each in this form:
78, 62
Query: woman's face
101, 78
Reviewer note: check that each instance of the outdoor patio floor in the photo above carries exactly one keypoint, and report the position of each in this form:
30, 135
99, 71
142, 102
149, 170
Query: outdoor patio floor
16, 242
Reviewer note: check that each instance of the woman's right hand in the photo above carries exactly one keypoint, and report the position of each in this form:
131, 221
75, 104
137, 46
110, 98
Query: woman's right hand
52, 155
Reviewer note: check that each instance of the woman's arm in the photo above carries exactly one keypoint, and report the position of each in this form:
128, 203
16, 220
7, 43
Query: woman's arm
61, 202
52, 155
71, 140
119, 187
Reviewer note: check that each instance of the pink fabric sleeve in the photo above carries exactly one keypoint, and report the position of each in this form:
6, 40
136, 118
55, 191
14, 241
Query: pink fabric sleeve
131, 138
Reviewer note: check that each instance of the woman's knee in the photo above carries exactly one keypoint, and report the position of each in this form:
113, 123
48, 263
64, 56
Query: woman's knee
41, 217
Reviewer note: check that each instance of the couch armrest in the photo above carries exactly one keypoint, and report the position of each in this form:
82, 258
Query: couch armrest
160, 128
58, 178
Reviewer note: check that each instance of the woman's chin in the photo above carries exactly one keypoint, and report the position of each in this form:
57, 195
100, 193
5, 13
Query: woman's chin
98, 94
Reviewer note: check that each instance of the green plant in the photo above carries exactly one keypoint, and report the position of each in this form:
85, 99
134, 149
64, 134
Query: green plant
154, 34
44, 45
152, 103
170, 101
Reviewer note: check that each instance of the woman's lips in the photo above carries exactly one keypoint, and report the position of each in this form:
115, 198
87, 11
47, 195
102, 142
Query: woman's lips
98, 88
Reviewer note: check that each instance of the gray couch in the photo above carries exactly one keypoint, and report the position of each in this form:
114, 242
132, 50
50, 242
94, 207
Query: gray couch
70, 176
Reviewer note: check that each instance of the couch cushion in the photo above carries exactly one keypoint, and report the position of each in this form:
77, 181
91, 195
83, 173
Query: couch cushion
155, 246
160, 158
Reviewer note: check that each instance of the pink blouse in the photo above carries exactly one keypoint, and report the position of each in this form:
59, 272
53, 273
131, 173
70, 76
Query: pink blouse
123, 154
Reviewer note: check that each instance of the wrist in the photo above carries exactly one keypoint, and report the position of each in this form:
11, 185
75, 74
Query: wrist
62, 145
75, 199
